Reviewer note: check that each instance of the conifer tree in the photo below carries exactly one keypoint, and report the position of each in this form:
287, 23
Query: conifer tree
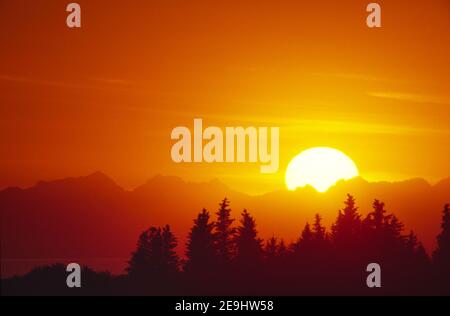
200, 249
441, 256
346, 229
377, 218
394, 229
155, 256
224, 233
140, 258
319, 231
170, 262
307, 235
248, 245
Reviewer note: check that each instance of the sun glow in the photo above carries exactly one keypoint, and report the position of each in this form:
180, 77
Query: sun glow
319, 167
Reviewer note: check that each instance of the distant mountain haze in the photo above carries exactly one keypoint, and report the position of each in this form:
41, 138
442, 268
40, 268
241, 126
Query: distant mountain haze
91, 220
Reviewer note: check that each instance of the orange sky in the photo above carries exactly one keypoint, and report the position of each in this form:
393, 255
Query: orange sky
105, 97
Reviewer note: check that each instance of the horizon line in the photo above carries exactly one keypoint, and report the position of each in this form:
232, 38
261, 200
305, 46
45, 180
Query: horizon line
216, 179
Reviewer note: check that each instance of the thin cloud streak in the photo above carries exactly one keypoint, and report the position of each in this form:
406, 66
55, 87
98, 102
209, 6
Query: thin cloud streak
413, 97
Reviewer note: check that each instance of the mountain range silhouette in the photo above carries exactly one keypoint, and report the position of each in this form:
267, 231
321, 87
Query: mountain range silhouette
93, 221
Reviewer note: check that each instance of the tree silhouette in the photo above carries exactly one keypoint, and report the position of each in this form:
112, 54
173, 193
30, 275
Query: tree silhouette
394, 228
224, 233
170, 261
348, 247
376, 220
248, 245
441, 256
417, 250
319, 231
155, 260
200, 249
345, 231
375, 228
140, 258
247, 264
321, 242
246, 267
304, 241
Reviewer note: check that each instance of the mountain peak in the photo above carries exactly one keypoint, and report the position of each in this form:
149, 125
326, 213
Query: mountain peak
97, 180
98, 176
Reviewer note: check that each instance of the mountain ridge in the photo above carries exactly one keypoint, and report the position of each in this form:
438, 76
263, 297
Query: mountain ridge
99, 175
93, 217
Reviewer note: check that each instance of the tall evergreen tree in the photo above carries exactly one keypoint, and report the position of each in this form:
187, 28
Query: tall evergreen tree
394, 230
441, 255
171, 260
200, 249
374, 230
155, 257
305, 239
224, 233
377, 219
248, 245
307, 234
346, 229
140, 258
417, 250
319, 231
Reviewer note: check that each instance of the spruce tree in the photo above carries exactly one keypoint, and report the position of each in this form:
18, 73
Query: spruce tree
200, 250
376, 219
307, 235
441, 255
155, 256
319, 231
224, 233
248, 245
171, 260
140, 258
346, 229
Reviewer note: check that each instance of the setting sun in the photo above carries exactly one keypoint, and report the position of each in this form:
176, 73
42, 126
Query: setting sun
319, 167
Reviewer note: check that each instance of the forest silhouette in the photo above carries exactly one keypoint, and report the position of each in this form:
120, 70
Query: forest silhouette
225, 256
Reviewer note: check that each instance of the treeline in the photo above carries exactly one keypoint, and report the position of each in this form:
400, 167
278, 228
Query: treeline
227, 257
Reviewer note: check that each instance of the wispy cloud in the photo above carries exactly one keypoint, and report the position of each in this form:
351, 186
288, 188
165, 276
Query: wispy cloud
353, 76
46, 82
335, 126
303, 125
413, 97
26, 80
94, 83
113, 81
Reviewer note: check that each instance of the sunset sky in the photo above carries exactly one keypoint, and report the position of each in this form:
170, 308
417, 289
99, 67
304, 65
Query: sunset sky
106, 96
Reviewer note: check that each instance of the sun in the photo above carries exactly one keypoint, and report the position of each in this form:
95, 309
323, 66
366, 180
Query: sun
319, 167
